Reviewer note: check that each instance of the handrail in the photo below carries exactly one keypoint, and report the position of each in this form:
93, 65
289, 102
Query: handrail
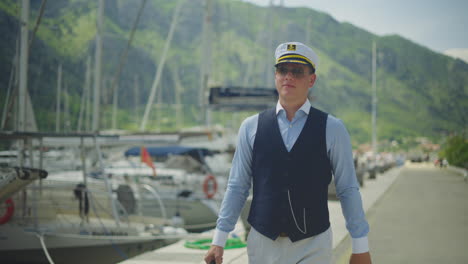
158, 197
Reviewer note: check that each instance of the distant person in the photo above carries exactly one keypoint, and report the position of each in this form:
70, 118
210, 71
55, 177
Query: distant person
289, 154
444, 163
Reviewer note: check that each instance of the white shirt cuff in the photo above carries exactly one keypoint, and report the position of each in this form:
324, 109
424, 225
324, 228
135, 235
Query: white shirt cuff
220, 238
360, 245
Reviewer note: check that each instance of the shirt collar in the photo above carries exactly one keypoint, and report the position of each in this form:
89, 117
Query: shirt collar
304, 108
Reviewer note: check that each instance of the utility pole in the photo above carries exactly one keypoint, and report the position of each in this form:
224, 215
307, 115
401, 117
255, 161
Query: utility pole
308, 28
97, 67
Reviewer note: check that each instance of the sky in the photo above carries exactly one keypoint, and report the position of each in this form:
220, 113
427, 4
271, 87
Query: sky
439, 25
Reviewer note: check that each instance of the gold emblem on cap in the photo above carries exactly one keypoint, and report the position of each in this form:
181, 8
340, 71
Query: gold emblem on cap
291, 47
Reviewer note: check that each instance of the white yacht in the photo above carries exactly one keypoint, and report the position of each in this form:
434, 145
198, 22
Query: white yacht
185, 186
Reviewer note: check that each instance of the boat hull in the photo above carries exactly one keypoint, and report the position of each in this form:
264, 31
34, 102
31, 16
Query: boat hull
20, 246
70, 255
199, 215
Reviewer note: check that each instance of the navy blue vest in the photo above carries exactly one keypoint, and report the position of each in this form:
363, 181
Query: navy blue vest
290, 189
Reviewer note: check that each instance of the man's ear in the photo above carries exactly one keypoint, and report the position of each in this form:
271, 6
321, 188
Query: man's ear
312, 79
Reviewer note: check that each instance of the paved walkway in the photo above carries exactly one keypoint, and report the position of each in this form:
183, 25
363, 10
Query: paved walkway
178, 254
422, 218
417, 214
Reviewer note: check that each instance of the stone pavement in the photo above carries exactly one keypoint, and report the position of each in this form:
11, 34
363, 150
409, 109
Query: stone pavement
178, 254
423, 218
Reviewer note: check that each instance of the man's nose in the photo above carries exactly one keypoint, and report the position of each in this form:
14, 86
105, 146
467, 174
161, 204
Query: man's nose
289, 74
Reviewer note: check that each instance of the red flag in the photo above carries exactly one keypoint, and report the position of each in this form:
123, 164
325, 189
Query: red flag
146, 158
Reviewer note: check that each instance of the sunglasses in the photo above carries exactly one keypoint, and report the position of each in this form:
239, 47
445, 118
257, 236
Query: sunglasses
297, 72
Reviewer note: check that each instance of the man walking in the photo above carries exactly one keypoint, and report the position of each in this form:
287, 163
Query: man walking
289, 154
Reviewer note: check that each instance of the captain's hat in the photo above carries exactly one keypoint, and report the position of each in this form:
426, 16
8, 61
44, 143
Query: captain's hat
296, 52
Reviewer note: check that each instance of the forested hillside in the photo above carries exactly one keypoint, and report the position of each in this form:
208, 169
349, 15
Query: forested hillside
421, 92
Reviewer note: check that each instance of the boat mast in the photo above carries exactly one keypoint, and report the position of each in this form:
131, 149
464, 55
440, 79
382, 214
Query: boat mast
66, 109
57, 107
149, 104
374, 100
115, 103
23, 72
82, 119
269, 81
178, 90
97, 67
96, 103
136, 97
205, 64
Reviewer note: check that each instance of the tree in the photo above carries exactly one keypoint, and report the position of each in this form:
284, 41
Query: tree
456, 151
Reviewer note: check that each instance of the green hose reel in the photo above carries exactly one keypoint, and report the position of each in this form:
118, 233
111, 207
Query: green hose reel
206, 244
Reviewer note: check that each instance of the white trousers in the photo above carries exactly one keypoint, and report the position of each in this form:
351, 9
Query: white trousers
314, 250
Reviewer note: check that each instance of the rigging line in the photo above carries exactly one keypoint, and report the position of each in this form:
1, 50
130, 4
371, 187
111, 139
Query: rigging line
9, 93
15, 88
46, 252
15, 64
38, 22
115, 246
161, 65
123, 57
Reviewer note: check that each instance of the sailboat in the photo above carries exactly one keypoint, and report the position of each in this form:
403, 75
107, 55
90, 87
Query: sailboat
67, 217
186, 186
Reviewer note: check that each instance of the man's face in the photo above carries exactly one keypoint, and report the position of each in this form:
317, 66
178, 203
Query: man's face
293, 81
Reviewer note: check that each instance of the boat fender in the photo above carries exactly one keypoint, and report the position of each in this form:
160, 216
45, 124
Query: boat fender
10, 209
82, 195
184, 193
210, 192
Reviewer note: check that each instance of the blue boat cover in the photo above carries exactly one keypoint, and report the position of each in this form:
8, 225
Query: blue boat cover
197, 153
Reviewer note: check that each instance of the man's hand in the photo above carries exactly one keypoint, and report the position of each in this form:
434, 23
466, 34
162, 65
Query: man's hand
215, 253
362, 258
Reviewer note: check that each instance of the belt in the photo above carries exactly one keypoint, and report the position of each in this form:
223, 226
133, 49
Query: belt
283, 234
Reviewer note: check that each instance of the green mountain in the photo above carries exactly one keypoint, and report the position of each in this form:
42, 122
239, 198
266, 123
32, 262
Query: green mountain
421, 92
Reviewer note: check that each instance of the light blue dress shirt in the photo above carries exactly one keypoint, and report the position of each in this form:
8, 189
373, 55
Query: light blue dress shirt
339, 152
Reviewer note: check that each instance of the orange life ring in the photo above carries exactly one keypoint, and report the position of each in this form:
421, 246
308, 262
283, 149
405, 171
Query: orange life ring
10, 209
206, 186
